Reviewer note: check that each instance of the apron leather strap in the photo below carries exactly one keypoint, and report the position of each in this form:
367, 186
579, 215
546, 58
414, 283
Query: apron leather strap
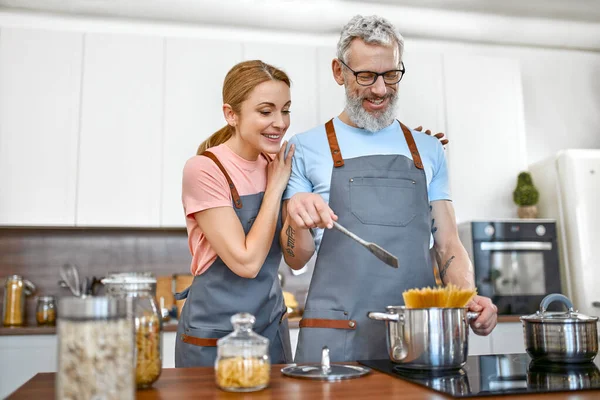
234, 193
328, 323
412, 146
196, 341
336, 154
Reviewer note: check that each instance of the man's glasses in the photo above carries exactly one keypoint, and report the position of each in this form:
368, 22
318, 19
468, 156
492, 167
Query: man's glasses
367, 78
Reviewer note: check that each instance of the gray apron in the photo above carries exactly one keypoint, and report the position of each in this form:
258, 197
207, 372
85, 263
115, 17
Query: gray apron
219, 293
383, 199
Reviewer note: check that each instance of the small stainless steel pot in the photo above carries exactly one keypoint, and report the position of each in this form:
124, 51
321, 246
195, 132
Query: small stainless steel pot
566, 337
427, 338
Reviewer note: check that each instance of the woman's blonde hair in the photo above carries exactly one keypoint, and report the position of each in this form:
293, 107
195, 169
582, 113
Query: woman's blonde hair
239, 82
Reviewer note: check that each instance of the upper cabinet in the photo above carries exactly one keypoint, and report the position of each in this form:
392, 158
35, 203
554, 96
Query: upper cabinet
485, 125
298, 62
119, 182
194, 74
40, 75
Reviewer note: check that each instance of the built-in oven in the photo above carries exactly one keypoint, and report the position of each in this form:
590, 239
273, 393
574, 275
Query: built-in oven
516, 262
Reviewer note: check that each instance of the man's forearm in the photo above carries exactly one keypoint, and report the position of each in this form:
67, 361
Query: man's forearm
455, 266
297, 244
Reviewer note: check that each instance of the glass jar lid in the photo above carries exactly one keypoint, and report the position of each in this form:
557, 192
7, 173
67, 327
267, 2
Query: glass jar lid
325, 371
46, 299
243, 335
92, 308
130, 281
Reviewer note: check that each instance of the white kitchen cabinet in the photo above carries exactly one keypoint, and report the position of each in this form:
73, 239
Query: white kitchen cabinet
40, 75
331, 97
24, 356
508, 338
193, 109
298, 62
485, 125
119, 180
479, 345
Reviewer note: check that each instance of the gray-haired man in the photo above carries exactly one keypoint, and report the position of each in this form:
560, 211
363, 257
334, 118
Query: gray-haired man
384, 182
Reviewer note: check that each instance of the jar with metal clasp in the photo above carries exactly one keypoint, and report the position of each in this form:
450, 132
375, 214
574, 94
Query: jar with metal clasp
15, 290
140, 288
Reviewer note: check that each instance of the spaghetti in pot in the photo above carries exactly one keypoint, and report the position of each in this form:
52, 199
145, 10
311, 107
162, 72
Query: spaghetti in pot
450, 296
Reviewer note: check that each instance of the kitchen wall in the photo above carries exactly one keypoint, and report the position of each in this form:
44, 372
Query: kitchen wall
523, 102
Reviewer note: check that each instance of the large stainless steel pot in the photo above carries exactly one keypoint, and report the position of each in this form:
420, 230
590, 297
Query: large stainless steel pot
566, 337
427, 338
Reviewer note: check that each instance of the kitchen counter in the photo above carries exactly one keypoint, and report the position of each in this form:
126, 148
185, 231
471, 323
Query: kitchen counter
180, 383
170, 326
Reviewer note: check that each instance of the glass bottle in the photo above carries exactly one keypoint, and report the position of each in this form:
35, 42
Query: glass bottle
141, 289
95, 349
45, 311
15, 290
243, 363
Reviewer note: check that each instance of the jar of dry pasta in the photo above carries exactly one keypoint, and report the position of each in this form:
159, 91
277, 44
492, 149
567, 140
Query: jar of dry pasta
95, 349
243, 363
140, 288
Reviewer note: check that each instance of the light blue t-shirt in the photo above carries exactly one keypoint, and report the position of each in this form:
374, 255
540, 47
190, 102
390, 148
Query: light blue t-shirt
312, 164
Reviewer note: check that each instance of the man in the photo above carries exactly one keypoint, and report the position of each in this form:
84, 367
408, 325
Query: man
382, 181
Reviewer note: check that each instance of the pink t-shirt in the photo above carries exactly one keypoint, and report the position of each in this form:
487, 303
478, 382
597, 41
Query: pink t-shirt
204, 186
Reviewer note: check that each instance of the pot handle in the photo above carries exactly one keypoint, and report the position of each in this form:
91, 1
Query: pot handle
551, 298
472, 315
380, 316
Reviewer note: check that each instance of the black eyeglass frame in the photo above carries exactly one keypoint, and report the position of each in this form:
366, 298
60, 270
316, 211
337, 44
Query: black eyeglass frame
377, 74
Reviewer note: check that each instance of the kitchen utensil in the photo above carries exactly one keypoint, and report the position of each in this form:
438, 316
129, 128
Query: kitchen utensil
375, 249
566, 337
427, 338
325, 371
85, 286
450, 296
70, 275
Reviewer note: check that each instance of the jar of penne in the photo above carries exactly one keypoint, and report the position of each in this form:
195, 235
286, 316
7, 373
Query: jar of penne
243, 363
140, 288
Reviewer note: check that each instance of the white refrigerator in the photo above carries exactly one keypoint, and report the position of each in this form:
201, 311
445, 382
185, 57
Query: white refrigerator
569, 186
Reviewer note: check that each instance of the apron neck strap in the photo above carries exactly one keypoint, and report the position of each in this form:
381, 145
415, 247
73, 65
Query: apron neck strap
234, 193
412, 146
334, 147
336, 153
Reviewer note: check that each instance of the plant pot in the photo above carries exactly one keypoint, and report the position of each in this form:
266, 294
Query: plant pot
527, 212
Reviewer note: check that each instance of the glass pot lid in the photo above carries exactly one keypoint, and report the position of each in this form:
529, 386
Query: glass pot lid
557, 317
325, 371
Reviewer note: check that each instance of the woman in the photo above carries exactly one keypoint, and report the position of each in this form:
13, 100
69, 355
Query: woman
231, 196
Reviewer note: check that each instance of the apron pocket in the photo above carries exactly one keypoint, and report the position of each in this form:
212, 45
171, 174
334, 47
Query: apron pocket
383, 201
313, 338
197, 347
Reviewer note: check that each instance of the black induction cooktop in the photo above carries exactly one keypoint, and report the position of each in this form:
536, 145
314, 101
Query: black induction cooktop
499, 375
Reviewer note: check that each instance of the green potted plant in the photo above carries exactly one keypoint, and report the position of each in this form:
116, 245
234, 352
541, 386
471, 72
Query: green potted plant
526, 196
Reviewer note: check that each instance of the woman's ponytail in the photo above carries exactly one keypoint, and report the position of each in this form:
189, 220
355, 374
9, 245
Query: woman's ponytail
217, 138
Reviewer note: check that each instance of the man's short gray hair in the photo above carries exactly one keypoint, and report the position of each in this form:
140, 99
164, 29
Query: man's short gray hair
371, 29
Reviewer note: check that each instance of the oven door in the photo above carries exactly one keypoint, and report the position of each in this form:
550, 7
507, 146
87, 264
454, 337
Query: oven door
516, 275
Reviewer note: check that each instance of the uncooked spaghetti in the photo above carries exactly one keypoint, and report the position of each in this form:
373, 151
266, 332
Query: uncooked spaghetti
450, 296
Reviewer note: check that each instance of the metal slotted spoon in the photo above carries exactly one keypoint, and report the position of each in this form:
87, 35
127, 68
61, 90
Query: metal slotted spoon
70, 275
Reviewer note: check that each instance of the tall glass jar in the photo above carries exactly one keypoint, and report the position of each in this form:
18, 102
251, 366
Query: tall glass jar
243, 363
141, 289
95, 349
15, 290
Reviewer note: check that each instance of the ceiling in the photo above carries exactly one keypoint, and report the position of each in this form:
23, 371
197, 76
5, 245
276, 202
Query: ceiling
576, 10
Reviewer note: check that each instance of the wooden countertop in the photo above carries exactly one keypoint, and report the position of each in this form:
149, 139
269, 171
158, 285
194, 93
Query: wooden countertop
199, 383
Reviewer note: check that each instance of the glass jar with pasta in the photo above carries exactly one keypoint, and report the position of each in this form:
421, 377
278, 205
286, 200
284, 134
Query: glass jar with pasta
243, 363
141, 289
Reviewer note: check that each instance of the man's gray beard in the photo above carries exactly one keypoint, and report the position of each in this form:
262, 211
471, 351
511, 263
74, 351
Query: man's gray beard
365, 120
